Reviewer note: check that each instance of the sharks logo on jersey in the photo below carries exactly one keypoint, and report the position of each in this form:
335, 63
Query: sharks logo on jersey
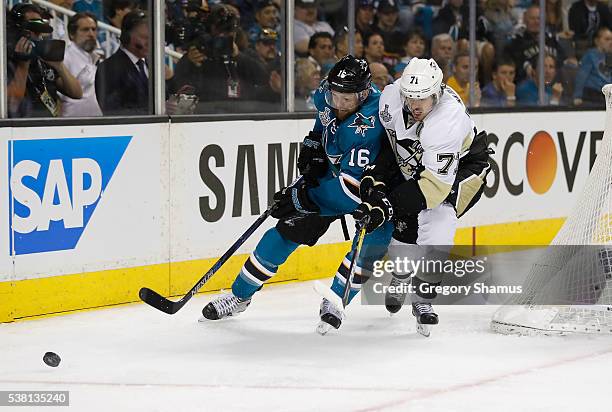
362, 123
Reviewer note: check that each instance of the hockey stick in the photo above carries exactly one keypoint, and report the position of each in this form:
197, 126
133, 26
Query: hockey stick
159, 302
329, 294
361, 231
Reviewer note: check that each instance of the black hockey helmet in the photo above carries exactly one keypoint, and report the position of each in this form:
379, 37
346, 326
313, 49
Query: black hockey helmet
350, 75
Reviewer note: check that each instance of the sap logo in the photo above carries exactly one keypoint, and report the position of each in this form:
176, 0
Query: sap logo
54, 187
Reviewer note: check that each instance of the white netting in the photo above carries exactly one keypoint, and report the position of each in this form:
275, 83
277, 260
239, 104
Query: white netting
569, 272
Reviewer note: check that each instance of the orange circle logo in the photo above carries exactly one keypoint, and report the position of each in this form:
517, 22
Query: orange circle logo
541, 162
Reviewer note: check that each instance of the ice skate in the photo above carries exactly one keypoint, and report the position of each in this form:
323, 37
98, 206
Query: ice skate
425, 317
225, 305
395, 300
331, 316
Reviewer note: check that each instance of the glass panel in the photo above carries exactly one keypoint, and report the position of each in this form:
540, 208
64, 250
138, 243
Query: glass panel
231, 57
61, 62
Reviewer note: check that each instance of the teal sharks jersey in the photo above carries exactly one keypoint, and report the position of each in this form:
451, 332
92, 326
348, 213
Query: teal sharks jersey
350, 144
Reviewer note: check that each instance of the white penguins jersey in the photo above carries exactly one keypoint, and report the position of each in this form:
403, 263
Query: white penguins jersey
428, 150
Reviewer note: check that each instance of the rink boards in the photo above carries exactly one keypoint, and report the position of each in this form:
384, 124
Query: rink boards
90, 214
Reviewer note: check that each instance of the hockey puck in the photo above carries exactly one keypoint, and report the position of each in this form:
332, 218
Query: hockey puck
52, 359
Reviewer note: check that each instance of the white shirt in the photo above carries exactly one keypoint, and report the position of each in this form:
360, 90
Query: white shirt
431, 147
135, 59
81, 65
302, 31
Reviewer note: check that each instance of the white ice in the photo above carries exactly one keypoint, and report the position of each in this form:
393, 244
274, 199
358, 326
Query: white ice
134, 358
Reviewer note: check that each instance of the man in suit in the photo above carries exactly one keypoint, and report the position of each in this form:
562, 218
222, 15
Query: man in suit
122, 81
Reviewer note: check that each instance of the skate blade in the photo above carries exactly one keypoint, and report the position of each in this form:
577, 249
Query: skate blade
328, 294
424, 330
323, 328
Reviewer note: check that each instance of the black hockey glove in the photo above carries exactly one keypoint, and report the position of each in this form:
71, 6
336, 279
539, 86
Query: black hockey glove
369, 185
312, 161
293, 201
377, 207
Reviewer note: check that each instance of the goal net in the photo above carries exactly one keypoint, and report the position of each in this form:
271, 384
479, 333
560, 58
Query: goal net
575, 272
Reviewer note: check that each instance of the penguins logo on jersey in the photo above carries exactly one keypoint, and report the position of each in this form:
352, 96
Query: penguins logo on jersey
362, 123
409, 154
385, 115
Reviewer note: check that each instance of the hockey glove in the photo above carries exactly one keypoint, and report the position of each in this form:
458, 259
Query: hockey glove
369, 185
293, 201
312, 161
377, 207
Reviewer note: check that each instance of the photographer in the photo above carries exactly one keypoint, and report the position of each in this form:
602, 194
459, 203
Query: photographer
213, 64
35, 66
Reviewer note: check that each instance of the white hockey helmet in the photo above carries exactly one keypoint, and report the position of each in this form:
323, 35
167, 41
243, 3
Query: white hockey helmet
421, 78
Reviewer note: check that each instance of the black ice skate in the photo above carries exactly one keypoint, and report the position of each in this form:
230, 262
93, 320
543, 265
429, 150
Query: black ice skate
224, 306
395, 300
331, 316
425, 317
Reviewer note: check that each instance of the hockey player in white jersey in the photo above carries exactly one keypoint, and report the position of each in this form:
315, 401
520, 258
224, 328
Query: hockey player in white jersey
432, 171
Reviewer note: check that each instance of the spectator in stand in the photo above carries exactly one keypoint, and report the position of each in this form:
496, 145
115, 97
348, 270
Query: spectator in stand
364, 16
453, 19
57, 20
594, 73
501, 91
501, 21
115, 12
423, 13
33, 83
374, 48
380, 75
341, 44
257, 65
306, 24
266, 17
527, 93
460, 80
307, 79
525, 45
414, 46
442, 51
556, 23
321, 48
387, 17
585, 18
91, 6
81, 61
275, 84
122, 80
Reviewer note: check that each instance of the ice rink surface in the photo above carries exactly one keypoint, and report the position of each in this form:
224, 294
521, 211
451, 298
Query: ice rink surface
134, 358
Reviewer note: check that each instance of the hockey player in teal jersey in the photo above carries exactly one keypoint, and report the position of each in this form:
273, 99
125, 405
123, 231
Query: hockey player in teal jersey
346, 137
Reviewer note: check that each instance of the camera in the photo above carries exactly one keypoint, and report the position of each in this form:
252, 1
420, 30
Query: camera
190, 23
45, 49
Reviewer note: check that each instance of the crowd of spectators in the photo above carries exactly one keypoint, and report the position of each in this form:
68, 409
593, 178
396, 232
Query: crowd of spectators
232, 52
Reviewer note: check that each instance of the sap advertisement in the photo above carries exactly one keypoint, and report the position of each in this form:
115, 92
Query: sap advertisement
84, 197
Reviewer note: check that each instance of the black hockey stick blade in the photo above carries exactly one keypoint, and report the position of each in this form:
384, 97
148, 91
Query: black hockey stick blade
156, 300
152, 298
